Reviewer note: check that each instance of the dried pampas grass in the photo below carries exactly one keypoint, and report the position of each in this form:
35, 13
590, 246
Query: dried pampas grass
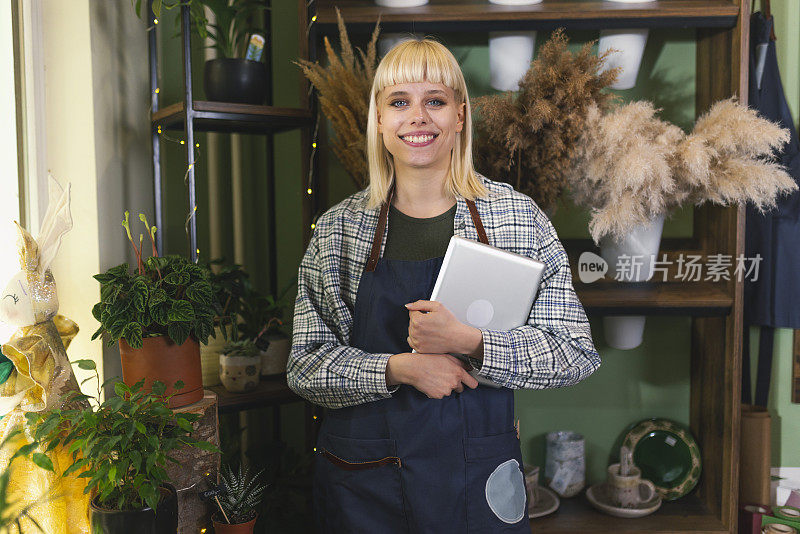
633, 166
529, 139
343, 87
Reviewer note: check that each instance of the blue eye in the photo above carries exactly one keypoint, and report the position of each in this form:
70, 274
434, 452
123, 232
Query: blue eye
440, 102
396, 102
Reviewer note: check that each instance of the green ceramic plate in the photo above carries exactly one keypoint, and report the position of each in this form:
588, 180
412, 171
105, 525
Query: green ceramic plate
667, 454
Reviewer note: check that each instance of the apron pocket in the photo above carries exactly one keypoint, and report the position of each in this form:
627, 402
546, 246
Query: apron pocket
496, 498
357, 482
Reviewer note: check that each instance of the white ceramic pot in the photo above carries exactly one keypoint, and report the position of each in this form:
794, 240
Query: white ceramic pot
641, 246
387, 41
510, 56
565, 462
239, 373
401, 3
630, 44
209, 358
275, 358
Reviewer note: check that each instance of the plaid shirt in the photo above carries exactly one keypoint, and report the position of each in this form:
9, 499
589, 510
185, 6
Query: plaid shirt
554, 349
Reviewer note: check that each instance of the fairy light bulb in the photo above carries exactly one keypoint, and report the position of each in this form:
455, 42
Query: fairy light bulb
183, 142
313, 226
313, 145
155, 21
308, 190
314, 18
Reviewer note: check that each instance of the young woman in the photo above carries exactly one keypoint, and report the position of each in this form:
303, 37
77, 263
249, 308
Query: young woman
411, 443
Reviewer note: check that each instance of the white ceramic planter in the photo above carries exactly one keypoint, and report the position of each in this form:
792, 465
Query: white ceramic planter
275, 358
641, 245
209, 358
630, 44
401, 3
239, 373
510, 56
387, 41
515, 2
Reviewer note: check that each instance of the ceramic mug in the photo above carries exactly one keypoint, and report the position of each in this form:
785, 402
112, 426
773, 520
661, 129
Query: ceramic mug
532, 484
629, 491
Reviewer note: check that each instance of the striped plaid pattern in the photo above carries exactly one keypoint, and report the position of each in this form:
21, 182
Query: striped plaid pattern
554, 349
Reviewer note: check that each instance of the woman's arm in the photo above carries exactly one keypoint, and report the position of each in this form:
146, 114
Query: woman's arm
321, 367
555, 348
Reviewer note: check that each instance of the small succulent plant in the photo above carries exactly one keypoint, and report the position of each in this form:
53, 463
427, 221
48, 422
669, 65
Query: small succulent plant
241, 494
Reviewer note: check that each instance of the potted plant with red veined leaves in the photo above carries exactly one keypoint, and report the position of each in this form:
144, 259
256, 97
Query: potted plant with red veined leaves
158, 313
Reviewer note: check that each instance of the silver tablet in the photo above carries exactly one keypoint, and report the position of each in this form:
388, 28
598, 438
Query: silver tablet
487, 287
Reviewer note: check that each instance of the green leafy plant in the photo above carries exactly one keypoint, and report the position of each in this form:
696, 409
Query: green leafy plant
230, 283
266, 311
234, 21
164, 296
11, 514
243, 347
121, 445
241, 494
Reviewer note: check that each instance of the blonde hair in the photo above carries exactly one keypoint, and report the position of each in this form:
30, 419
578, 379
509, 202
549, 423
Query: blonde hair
412, 61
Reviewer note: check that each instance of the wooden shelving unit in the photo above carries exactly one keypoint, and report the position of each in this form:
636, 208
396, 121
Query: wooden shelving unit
722, 30
477, 15
228, 117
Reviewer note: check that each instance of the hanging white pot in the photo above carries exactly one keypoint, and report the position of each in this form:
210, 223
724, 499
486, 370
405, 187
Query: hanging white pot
275, 358
510, 56
631, 260
630, 44
387, 41
401, 3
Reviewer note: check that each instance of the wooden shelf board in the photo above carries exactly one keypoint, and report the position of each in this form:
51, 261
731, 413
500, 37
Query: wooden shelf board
470, 15
230, 117
655, 298
271, 391
577, 516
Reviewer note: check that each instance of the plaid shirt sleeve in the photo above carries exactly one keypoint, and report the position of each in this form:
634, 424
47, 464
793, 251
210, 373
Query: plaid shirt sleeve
555, 348
322, 367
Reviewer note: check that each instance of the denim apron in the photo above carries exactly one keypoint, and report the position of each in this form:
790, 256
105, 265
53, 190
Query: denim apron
409, 463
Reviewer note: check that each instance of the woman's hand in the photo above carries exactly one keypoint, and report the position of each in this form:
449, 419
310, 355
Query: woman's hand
432, 328
435, 375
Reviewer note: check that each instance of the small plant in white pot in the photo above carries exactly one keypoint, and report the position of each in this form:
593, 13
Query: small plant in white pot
229, 284
238, 501
240, 366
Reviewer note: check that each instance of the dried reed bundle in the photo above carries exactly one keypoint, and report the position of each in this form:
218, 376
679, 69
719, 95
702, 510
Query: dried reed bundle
343, 87
530, 139
633, 166
624, 169
728, 158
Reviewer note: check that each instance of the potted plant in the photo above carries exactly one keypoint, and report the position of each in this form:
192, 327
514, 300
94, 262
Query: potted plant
159, 313
240, 365
121, 447
265, 321
238, 75
240, 497
229, 284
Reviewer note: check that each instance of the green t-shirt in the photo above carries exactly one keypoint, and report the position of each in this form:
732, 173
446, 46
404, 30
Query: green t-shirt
410, 238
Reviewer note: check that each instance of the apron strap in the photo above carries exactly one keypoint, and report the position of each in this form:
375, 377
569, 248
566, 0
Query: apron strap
384, 215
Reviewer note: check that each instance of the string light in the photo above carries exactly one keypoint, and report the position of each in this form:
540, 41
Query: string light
313, 145
197, 145
314, 18
155, 21
314, 416
308, 191
158, 90
313, 226
315, 449
183, 142
190, 166
159, 129
202, 531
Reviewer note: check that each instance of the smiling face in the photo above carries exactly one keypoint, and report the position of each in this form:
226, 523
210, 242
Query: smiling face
418, 122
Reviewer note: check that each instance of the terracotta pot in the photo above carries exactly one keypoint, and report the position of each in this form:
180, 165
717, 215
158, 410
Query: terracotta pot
161, 359
240, 528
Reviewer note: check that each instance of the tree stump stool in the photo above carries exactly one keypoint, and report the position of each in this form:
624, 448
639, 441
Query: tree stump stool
189, 476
